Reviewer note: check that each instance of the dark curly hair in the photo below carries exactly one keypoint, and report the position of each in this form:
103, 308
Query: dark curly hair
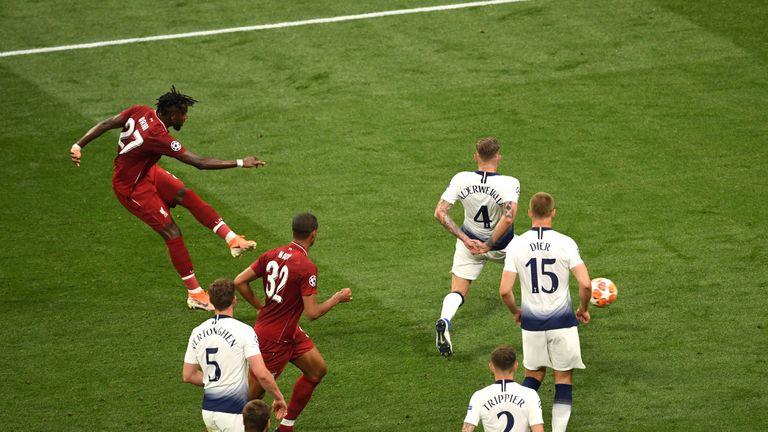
174, 99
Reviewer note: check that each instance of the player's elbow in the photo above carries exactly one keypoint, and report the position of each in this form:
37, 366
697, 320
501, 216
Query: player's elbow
187, 377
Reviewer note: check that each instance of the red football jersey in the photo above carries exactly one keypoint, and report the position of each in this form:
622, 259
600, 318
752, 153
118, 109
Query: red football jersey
288, 275
143, 141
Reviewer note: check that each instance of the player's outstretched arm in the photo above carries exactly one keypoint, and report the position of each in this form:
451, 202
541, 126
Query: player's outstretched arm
192, 374
585, 292
242, 283
313, 310
98, 130
507, 295
204, 163
268, 383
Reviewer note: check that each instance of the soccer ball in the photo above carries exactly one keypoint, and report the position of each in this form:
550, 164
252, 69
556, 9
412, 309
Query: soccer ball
603, 292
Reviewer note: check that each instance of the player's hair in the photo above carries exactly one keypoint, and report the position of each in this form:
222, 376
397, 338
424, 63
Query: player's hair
256, 416
504, 358
487, 148
174, 99
303, 225
222, 293
542, 204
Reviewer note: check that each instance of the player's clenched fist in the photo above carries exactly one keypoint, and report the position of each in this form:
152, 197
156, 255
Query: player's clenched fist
252, 162
344, 295
74, 154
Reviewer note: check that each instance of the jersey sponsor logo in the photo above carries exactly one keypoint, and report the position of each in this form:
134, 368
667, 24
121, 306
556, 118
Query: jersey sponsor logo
313, 281
175, 146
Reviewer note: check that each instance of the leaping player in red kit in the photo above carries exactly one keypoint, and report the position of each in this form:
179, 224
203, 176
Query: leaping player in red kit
149, 192
290, 287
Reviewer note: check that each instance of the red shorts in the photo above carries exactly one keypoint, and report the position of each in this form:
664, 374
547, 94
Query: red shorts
167, 184
152, 198
277, 354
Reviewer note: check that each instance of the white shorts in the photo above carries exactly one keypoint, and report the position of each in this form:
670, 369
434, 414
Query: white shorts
558, 349
223, 422
468, 266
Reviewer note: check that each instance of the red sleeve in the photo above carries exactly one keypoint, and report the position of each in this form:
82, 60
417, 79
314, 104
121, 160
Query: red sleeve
309, 280
258, 266
166, 144
129, 111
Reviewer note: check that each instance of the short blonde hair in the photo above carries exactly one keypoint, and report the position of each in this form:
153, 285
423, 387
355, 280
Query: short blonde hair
541, 205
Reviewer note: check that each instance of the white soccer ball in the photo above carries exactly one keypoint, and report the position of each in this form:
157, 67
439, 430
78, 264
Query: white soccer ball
604, 292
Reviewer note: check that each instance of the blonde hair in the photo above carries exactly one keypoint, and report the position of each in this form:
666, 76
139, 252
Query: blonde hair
541, 205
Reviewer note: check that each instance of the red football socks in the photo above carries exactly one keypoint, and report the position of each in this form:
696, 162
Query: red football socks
182, 262
302, 392
204, 213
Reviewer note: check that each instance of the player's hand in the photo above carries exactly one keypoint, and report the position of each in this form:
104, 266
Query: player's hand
279, 408
582, 316
517, 317
474, 246
75, 154
344, 295
252, 162
483, 247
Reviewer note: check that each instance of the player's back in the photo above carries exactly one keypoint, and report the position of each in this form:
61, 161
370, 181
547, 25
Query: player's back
288, 275
221, 346
143, 140
543, 258
482, 194
505, 406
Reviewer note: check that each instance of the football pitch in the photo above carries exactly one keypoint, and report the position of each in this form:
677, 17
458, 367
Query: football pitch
646, 120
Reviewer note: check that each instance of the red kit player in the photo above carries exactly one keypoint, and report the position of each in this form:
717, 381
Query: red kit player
149, 192
290, 288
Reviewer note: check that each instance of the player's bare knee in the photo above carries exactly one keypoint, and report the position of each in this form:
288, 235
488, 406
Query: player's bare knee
321, 372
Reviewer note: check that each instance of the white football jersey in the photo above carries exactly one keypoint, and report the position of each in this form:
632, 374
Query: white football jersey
505, 406
542, 259
483, 195
221, 346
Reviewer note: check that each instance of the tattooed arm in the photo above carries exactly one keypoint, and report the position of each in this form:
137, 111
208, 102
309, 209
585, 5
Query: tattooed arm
501, 228
442, 216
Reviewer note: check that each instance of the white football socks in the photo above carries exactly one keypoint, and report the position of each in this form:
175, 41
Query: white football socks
561, 413
451, 304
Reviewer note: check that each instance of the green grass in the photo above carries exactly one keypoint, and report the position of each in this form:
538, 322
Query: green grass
646, 120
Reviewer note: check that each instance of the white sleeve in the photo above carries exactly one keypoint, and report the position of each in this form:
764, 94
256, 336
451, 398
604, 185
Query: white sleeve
250, 343
511, 191
189, 356
509, 259
573, 254
451, 193
473, 410
534, 410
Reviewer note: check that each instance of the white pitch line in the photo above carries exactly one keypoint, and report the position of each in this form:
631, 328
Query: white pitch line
256, 27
